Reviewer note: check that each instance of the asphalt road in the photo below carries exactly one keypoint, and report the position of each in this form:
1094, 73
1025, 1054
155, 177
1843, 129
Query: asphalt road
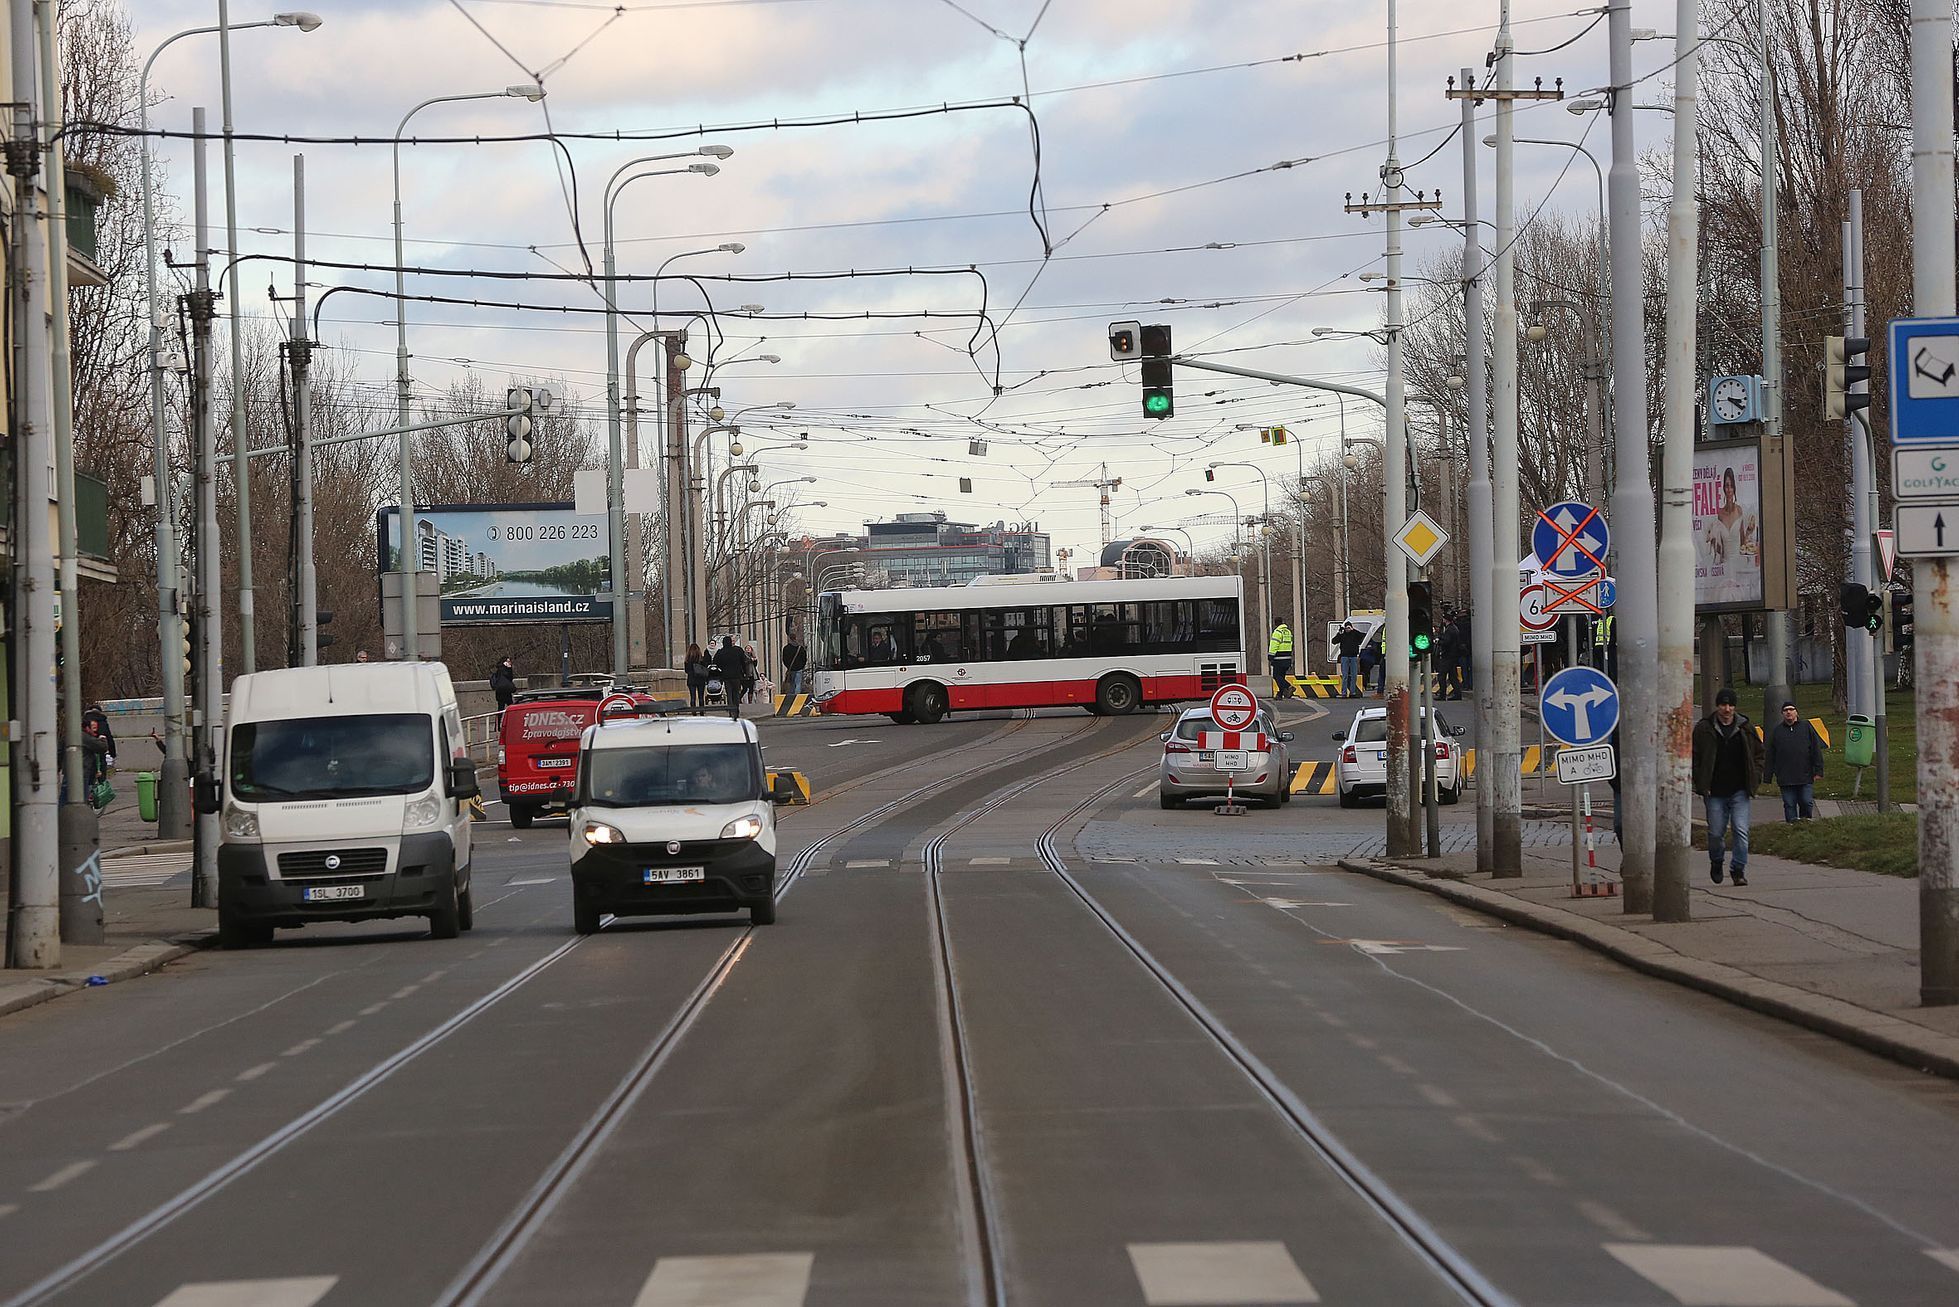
1019, 1036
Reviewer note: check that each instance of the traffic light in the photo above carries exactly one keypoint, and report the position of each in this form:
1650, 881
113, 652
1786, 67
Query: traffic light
517, 426
1844, 368
1273, 435
1901, 632
1421, 619
1159, 394
1862, 610
322, 618
1210, 474
1125, 339
184, 648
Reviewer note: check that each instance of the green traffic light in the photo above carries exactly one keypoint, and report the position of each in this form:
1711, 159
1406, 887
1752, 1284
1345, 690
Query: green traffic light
1156, 403
1421, 643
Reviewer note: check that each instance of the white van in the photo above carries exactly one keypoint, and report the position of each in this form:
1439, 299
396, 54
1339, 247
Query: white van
344, 798
674, 814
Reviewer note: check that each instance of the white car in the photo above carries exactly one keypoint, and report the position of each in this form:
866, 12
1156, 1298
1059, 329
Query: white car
1362, 769
673, 814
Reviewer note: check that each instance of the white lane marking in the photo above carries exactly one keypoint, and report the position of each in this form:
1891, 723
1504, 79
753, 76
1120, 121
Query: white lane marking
203, 1101
1474, 1126
136, 1138
1943, 1256
1612, 1222
992, 862
337, 1028
532, 880
8, 1209
867, 862
435, 975
751, 1280
1303, 903
372, 1008
1218, 1274
1144, 793
1388, 947
62, 1177
1439, 1097
301, 1292
1706, 1275
254, 1072
840, 743
404, 991
1197, 862
305, 1044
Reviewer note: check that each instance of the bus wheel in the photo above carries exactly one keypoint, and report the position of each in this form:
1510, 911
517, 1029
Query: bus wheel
929, 703
1117, 695
903, 717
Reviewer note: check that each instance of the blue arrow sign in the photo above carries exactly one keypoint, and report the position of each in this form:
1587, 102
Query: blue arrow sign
1924, 359
1570, 540
1580, 706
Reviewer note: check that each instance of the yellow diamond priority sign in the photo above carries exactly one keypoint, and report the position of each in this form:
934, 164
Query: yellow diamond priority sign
1420, 538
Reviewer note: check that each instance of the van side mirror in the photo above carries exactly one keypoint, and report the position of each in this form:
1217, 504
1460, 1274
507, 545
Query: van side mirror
206, 795
462, 779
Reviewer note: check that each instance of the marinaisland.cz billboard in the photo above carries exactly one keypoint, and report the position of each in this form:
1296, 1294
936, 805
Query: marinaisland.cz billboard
503, 563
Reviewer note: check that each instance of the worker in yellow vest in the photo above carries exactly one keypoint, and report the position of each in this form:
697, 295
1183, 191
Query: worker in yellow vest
1278, 652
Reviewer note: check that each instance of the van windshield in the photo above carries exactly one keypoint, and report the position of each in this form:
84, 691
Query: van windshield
332, 757
688, 773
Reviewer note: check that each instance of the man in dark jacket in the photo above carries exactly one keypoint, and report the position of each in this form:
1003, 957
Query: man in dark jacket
1727, 768
503, 682
1348, 642
794, 659
1795, 759
733, 666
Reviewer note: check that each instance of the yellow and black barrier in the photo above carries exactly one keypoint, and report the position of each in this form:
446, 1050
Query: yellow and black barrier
795, 705
795, 778
1315, 687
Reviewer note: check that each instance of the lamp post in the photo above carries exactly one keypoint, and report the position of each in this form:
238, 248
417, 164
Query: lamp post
241, 447
1264, 541
173, 815
615, 496
407, 560
1237, 516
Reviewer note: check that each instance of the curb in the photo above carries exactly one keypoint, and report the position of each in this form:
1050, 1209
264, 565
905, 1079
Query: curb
1874, 1032
154, 846
126, 965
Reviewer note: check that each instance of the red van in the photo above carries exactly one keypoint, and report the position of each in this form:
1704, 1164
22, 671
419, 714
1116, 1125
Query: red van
537, 747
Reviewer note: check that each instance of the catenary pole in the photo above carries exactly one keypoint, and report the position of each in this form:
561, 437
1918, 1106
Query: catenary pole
1483, 614
1637, 606
1867, 468
208, 719
1502, 749
302, 406
1776, 458
34, 935
1403, 835
1675, 597
1936, 606
1860, 649
240, 441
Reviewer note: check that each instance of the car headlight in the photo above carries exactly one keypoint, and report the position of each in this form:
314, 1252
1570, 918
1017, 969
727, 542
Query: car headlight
425, 811
598, 832
240, 823
742, 828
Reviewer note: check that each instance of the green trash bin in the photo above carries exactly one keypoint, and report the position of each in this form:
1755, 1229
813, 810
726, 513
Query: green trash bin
146, 794
1860, 741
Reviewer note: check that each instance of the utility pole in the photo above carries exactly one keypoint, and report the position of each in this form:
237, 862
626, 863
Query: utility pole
240, 443
34, 930
1776, 456
301, 353
1866, 507
81, 830
1484, 616
1936, 612
1675, 613
208, 716
1637, 615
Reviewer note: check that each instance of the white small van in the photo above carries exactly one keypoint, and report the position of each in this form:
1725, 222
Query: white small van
673, 814
344, 797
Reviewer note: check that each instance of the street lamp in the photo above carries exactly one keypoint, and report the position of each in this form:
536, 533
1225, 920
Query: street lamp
407, 561
1237, 515
1264, 539
173, 818
615, 498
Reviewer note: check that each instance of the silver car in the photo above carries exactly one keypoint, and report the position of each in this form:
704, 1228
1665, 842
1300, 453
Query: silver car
1190, 772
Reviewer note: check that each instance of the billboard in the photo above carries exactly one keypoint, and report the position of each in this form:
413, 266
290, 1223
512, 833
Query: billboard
503, 563
1728, 526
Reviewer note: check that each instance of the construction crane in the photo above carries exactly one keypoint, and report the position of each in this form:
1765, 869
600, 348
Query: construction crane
1105, 484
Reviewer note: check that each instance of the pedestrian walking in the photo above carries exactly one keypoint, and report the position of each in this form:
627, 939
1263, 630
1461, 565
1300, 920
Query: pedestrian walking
1278, 652
794, 659
1794, 757
1465, 659
751, 671
1373, 667
1727, 770
732, 665
1349, 642
503, 682
1448, 656
698, 669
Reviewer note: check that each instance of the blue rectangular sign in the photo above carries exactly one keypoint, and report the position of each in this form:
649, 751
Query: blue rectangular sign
1925, 381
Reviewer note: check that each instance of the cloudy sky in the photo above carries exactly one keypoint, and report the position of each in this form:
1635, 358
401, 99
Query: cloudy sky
1156, 197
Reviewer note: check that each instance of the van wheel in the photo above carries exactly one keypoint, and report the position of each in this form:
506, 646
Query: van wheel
584, 917
235, 934
446, 921
522, 815
762, 913
466, 907
929, 703
1117, 696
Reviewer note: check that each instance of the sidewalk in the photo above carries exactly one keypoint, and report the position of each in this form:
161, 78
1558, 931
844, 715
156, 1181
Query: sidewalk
143, 928
1832, 950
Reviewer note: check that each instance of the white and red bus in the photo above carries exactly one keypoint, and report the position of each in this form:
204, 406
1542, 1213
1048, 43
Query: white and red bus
1027, 642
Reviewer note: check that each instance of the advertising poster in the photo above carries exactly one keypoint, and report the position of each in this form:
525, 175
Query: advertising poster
1728, 526
502, 563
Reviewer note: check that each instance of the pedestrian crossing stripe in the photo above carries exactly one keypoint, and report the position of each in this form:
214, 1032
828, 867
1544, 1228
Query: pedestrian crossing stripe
795, 705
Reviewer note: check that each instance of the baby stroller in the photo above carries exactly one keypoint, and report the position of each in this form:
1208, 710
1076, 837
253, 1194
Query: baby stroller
715, 693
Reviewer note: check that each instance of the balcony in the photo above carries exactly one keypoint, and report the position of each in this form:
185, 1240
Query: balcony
91, 523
